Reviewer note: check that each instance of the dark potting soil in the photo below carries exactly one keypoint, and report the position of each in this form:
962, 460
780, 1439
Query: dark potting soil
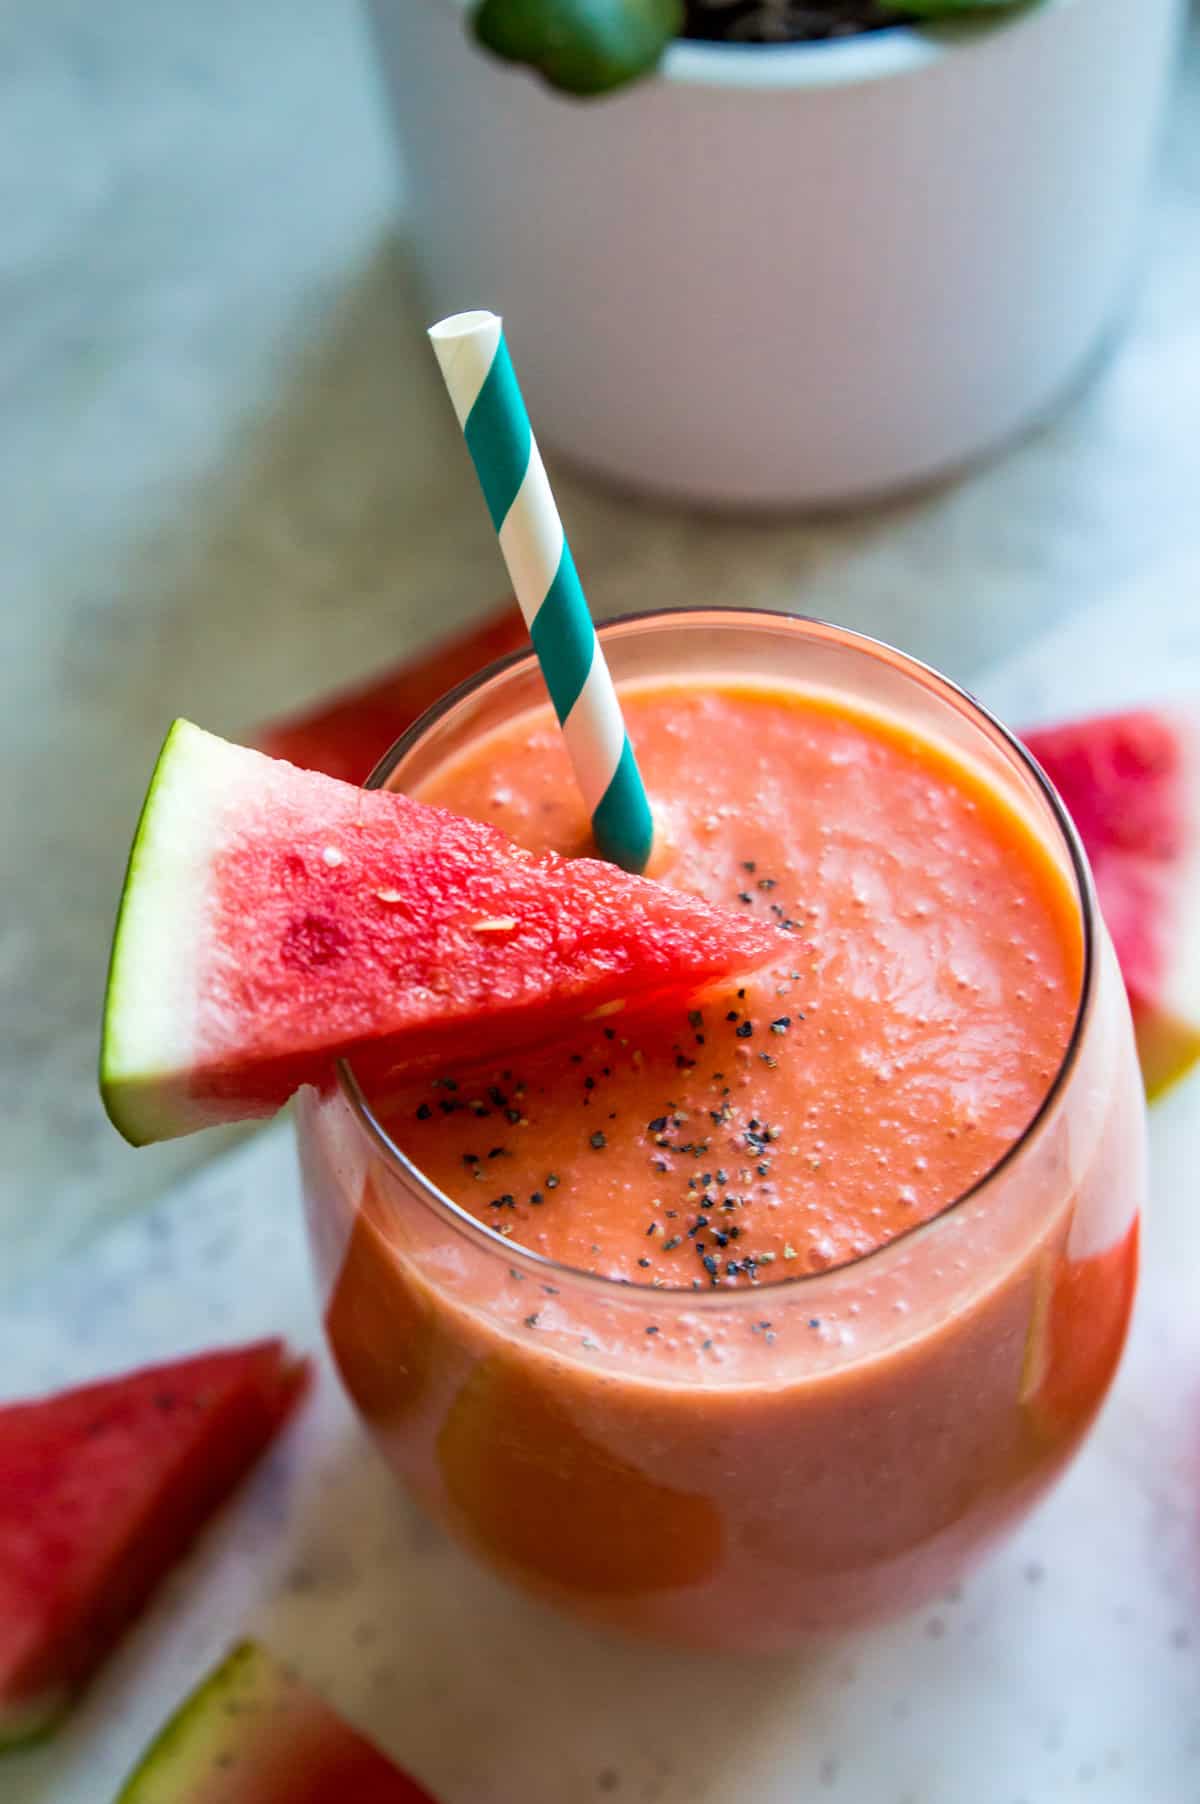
783, 21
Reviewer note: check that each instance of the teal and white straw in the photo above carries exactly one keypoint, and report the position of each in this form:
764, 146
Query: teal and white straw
483, 386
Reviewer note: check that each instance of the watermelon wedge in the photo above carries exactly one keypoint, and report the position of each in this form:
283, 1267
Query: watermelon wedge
1131, 783
101, 1490
347, 734
276, 920
252, 1733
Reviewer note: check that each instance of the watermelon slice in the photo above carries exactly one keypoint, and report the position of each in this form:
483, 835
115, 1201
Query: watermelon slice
276, 920
101, 1490
346, 735
252, 1733
1131, 783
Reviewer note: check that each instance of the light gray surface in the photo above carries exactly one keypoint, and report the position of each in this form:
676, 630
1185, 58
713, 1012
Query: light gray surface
1068, 1667
228, 478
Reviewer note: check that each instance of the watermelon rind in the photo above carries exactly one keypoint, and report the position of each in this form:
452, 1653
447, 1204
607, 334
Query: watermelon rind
191, 1735
32, 1720
147, 1039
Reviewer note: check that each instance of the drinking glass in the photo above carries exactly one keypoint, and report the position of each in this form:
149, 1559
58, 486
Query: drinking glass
867, 1429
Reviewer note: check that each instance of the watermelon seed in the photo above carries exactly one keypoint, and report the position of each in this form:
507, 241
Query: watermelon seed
498, 924
331, 856
605, 1008
388, 895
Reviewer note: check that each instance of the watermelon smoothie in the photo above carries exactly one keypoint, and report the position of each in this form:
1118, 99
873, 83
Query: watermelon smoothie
763, 1318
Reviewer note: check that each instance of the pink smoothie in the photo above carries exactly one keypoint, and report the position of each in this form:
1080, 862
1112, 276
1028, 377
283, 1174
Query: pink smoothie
701, 1451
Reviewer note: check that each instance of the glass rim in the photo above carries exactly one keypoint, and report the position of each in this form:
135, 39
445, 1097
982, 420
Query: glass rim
721, 1296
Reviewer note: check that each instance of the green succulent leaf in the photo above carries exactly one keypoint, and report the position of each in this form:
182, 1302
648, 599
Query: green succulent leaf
580, 46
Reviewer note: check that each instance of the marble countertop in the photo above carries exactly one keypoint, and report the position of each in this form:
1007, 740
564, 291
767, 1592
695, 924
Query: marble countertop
230, 479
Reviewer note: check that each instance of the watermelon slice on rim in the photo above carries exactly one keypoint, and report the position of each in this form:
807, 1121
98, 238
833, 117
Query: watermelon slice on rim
253, 1733
276, 920
101, 1491
1131, 783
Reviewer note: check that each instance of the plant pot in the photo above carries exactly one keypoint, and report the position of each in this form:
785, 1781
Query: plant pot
790, 276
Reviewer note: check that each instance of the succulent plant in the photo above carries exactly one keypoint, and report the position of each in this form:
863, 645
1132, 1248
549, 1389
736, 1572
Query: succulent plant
592, 46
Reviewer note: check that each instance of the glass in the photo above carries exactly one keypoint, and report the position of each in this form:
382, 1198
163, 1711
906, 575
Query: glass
870, 1428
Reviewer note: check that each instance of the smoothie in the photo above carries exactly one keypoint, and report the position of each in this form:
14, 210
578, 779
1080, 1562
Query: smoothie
609, 1387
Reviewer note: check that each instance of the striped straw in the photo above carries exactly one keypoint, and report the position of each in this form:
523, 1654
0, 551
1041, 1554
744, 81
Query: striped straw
483, 386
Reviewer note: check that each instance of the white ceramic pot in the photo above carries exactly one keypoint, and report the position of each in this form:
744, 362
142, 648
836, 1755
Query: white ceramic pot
781, 276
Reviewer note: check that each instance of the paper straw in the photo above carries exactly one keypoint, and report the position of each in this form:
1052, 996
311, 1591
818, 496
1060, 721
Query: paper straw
479, 374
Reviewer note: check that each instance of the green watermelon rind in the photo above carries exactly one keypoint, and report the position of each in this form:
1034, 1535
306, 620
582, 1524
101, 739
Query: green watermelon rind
246, 1668
31, 1722
144, 1101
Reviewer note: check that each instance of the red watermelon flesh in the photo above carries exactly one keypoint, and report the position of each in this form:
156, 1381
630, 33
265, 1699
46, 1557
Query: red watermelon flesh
253, 1733
346, 735
101, 1491
276, 920
1131, 783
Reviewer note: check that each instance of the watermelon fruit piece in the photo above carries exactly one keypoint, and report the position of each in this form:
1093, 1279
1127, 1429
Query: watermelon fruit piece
277, 920
346, 735
101, 1491
253, 1733
1131, 783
